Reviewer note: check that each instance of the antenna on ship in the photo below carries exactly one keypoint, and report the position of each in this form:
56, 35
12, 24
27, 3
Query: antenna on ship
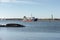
52, 16
31, 14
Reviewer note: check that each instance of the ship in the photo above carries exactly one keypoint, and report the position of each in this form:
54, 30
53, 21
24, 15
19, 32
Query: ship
29, 19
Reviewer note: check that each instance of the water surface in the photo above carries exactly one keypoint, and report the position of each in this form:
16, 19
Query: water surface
42, 30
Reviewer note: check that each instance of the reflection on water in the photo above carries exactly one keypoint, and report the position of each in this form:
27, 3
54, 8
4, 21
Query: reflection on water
33, 31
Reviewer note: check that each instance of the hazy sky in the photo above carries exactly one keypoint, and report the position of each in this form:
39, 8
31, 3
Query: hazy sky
38, 8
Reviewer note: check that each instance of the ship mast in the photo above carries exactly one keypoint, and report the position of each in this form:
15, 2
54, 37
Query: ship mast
31, 14
52, 16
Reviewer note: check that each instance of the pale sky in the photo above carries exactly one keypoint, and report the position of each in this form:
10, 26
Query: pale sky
38, 8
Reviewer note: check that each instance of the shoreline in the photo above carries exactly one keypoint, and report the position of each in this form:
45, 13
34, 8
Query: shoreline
22, 19
42, 19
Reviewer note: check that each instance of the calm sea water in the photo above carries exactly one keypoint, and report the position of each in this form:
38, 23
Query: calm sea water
41, 30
